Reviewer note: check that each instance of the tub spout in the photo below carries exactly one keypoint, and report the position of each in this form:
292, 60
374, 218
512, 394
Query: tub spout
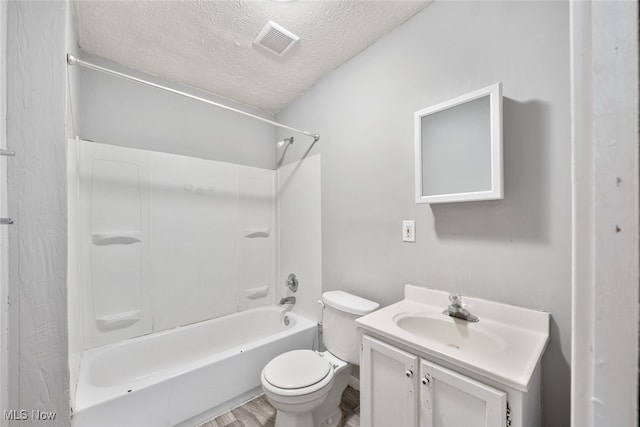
287, 300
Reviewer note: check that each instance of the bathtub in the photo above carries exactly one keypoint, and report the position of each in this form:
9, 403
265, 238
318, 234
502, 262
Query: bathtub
185, 375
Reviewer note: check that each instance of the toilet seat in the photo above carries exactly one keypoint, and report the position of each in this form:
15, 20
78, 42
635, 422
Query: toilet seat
297, 373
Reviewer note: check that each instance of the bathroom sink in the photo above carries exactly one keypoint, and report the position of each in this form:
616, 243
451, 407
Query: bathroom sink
505, 344
450, 332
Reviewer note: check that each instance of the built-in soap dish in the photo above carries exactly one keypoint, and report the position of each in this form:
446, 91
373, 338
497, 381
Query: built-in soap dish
117, 320
116, 238
252, 233
258, 292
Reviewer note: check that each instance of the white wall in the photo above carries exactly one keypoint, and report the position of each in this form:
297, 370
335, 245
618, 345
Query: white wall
120, 112
605, 176
4, 232
74, 294
36, 90
515, 250
74, 272
4, 212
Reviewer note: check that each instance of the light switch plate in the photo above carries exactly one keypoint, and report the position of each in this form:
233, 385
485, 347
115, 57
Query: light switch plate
409, 231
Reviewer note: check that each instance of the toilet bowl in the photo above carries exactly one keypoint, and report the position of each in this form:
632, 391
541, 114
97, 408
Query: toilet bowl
306, 386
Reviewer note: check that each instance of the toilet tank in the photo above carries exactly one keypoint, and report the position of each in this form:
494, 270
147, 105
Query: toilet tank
339, 333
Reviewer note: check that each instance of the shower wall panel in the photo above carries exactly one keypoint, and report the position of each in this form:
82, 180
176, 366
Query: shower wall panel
116, 252
257, 242
195, 239
115, 243
168, 240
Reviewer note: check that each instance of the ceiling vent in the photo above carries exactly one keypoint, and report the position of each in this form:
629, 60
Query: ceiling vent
276, 39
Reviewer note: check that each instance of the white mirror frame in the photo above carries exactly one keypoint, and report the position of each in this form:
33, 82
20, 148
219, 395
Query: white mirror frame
495, 107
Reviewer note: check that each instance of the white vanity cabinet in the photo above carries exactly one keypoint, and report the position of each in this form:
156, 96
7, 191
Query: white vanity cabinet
400, 389
423, 368
448, 399
388, 386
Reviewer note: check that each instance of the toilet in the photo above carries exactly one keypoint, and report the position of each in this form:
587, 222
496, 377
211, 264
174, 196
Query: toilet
306, 386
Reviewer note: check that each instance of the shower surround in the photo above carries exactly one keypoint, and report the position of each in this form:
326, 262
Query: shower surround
168, 240
160, 241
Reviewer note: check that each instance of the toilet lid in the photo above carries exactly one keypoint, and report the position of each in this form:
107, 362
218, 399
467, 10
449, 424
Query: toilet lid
296, 369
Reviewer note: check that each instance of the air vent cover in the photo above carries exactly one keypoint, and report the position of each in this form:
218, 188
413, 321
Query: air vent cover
276, 39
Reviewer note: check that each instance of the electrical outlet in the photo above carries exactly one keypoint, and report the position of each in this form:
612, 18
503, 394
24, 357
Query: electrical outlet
408, 231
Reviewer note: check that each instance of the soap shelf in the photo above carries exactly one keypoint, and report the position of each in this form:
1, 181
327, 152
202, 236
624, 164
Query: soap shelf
258, 292
118, 320
252, 233
116, 238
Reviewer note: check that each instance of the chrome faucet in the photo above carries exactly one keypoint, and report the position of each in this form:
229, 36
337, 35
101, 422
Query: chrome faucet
287, 300
457, 310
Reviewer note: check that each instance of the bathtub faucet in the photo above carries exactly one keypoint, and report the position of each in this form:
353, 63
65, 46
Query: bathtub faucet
287, 300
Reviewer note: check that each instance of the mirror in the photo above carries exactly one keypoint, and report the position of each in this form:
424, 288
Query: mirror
458, 148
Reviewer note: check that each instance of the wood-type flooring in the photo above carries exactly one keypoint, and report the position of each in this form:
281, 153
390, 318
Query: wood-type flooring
259, 413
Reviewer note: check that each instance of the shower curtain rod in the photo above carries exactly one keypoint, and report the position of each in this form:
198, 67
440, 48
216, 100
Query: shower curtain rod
72, 60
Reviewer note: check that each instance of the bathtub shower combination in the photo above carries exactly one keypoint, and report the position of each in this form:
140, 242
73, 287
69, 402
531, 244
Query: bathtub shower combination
172, 294
187, 374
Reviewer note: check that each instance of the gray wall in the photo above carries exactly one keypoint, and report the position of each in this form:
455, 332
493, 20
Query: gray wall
120, 112
515, 250
36, 93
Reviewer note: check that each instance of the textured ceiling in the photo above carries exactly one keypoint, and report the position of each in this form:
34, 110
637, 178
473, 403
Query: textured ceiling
209, 44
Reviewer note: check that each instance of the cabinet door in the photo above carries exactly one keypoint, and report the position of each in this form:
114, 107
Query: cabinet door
450, 399
389, 385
